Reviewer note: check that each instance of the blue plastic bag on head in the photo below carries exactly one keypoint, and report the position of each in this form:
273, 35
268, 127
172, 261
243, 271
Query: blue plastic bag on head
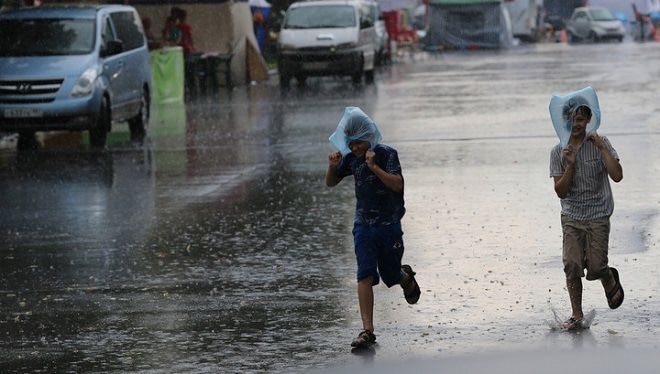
354, 125
562, 109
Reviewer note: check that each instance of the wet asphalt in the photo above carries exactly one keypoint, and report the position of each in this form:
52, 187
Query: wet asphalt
216, 247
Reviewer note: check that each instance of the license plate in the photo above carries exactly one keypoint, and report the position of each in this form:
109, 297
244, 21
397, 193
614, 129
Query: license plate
315, 65
23, 113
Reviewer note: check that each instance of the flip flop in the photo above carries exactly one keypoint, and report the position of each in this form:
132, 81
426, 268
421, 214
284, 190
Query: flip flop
613, 292
413, 296
364, 339
572, 324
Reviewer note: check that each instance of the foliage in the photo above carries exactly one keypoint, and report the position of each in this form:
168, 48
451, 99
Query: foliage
10, 4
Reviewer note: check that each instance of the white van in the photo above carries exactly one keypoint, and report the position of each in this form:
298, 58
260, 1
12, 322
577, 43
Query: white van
328, 37
526, 22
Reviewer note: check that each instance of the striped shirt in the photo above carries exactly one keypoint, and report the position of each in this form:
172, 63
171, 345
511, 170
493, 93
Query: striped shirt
590, 194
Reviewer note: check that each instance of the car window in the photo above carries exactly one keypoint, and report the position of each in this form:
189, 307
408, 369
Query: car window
326, 16
580, 16
602, 15
367, 14
129, 29
106, 35
47, 37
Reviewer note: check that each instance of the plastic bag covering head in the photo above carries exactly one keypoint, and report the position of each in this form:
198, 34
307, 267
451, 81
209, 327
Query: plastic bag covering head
563, 107
354, 125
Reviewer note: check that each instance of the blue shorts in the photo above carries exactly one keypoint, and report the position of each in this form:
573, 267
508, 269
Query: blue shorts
379, 251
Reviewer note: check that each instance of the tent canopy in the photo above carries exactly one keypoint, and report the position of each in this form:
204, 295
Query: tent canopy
259, 3
390, 5
463, 2
459, 24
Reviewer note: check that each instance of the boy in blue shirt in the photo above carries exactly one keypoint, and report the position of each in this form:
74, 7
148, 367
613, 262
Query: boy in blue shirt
377, 233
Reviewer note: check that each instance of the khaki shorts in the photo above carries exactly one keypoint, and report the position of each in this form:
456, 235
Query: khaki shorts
585, 247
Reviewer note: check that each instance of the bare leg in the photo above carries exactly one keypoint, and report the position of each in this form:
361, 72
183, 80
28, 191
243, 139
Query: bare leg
366, 299
574, 287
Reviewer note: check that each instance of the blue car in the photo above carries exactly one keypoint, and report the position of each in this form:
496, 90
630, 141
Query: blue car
77, 68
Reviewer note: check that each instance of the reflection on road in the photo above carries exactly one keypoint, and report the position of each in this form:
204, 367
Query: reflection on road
185, 250
216, 246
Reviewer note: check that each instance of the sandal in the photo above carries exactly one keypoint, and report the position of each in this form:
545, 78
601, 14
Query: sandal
364, 339
614, 291
572, 324
411, 296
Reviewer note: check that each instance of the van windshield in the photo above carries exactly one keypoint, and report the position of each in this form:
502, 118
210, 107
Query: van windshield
47, 37
323, 16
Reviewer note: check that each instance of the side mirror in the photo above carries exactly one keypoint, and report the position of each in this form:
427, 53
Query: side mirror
365, 23
114, 47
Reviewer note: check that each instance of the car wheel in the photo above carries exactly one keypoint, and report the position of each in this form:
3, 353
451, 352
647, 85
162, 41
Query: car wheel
26, 141
302, 79
284, 80
357, 76
571, 38
98, 134
138, 124
369, 76
380, 57
593, 37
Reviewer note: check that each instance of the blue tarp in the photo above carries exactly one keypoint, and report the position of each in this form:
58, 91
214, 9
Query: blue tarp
468, 25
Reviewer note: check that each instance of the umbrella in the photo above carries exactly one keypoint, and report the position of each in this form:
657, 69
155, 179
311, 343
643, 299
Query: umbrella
621, 17
259, 3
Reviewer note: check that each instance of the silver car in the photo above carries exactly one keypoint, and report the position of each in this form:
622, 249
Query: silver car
73, 68
594, 24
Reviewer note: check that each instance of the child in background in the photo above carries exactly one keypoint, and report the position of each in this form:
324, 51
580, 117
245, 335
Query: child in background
171, 33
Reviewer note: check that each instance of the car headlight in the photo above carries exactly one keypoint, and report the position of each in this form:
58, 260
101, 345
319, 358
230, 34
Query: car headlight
85, 84
347, 46
286, 48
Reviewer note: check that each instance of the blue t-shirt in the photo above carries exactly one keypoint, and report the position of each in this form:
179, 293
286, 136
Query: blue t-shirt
376, 204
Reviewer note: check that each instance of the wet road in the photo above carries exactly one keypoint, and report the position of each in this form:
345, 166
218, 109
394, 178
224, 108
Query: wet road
216, 247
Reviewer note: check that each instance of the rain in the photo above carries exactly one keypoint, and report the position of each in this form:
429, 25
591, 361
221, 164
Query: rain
216, 247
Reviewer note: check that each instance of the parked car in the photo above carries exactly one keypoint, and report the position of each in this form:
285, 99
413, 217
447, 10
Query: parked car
328, 37
76, 68
594, 24
525, 19
382, 37
558, 12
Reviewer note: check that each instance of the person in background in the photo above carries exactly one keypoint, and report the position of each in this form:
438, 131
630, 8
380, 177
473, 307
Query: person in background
377, 233
171, 34
186, 43
259, 25
152, 41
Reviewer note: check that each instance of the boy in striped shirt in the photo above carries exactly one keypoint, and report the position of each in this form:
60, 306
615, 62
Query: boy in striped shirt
581, 173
